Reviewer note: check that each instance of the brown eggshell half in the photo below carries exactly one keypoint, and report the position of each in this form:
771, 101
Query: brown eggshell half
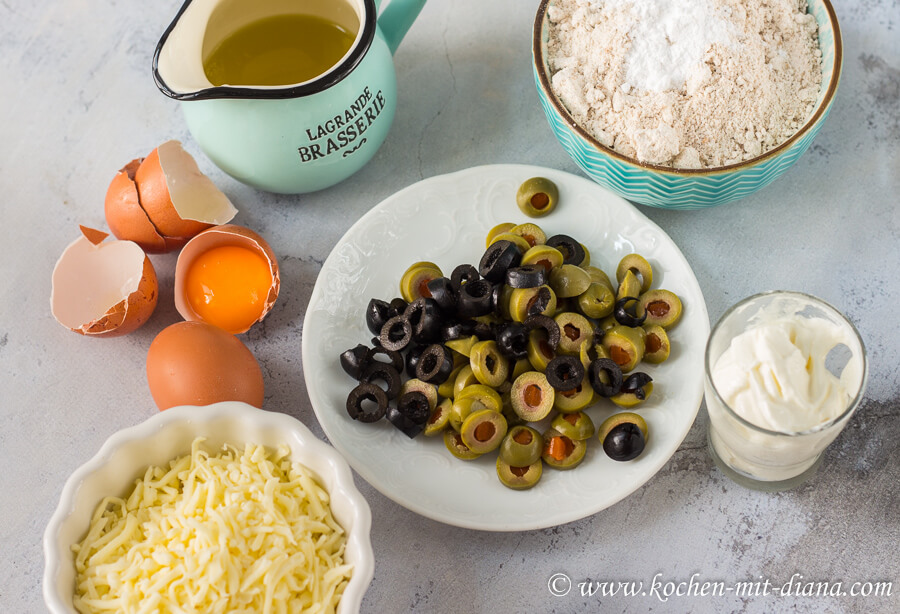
194, 363
125, 216
179, 199
217, 236
103, 288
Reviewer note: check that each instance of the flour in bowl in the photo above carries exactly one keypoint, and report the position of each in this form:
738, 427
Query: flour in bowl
686, 83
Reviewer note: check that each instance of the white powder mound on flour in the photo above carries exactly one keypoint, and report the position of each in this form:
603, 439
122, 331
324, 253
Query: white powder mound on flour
686, 83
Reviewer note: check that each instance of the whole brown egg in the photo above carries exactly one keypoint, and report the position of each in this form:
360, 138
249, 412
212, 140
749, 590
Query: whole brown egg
194, 363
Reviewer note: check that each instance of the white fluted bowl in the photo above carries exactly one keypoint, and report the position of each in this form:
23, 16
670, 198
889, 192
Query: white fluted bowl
167, 435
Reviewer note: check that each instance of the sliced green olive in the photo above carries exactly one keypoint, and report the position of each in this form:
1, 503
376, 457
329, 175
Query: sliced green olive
519, 478
414, 283
460, 410
639, 266
590, 351
483, 431
487, 396
496, 230
524, 302
545, 256
661, 306
537, 197
457, 447
520, 367
463, 345
465, 377
606, 323
636, 388
629, 286
569, 280
598, 276
522, 446
625, 346
575, 425
597, 301
623, 436
439, 418
539, 351
516, 240
574, 330
561, 451
532, 396
488, 364
446, 389
569, 401
531, 233
656, 344
512, 418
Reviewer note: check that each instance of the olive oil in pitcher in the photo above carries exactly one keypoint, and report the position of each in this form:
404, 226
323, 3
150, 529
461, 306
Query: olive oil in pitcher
278, 50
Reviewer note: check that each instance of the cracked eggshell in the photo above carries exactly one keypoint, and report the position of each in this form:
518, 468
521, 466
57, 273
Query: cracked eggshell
125, 216
103, 288
218, 236
163, 200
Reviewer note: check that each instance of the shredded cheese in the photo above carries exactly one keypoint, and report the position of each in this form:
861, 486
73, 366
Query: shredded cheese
243, 533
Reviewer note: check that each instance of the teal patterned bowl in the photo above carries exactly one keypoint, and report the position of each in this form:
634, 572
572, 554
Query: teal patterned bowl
669, 188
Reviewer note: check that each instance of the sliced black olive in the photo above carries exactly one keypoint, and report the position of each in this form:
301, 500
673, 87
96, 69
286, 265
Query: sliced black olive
624, 312
395, 358
398, 305
367, 392
425, 317
540, 302
381, 371
526, 276
496, 300
377, 313
565, 373
475, 299
457, 330
396, 333
572, 251
548, 324
353, 361
484, 331
413, 353
435, 364
444, 294
635, 383
498, 258
463, 274
613, 385
512, 340
411, 414
624, 442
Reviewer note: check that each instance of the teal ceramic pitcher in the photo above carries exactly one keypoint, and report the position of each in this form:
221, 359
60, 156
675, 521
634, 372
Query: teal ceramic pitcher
294, 138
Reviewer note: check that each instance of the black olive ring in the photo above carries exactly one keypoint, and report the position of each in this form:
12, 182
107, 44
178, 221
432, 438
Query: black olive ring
367, 392
613, 373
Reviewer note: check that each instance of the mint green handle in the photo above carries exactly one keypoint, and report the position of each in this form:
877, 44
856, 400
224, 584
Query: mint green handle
396, 20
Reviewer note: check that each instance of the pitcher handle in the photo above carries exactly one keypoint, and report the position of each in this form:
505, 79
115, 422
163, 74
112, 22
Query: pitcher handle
396, 20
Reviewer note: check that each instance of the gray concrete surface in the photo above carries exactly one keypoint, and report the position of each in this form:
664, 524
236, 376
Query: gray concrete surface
77, 101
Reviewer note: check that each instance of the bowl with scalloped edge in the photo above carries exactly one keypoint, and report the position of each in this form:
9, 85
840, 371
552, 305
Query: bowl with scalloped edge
671, 188
169, 435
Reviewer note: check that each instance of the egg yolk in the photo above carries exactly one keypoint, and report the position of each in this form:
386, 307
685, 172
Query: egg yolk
227, 286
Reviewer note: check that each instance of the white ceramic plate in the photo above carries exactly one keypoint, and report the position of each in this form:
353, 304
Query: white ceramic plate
445, 220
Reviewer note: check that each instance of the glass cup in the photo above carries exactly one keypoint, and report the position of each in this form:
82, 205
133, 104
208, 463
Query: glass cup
773, 460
